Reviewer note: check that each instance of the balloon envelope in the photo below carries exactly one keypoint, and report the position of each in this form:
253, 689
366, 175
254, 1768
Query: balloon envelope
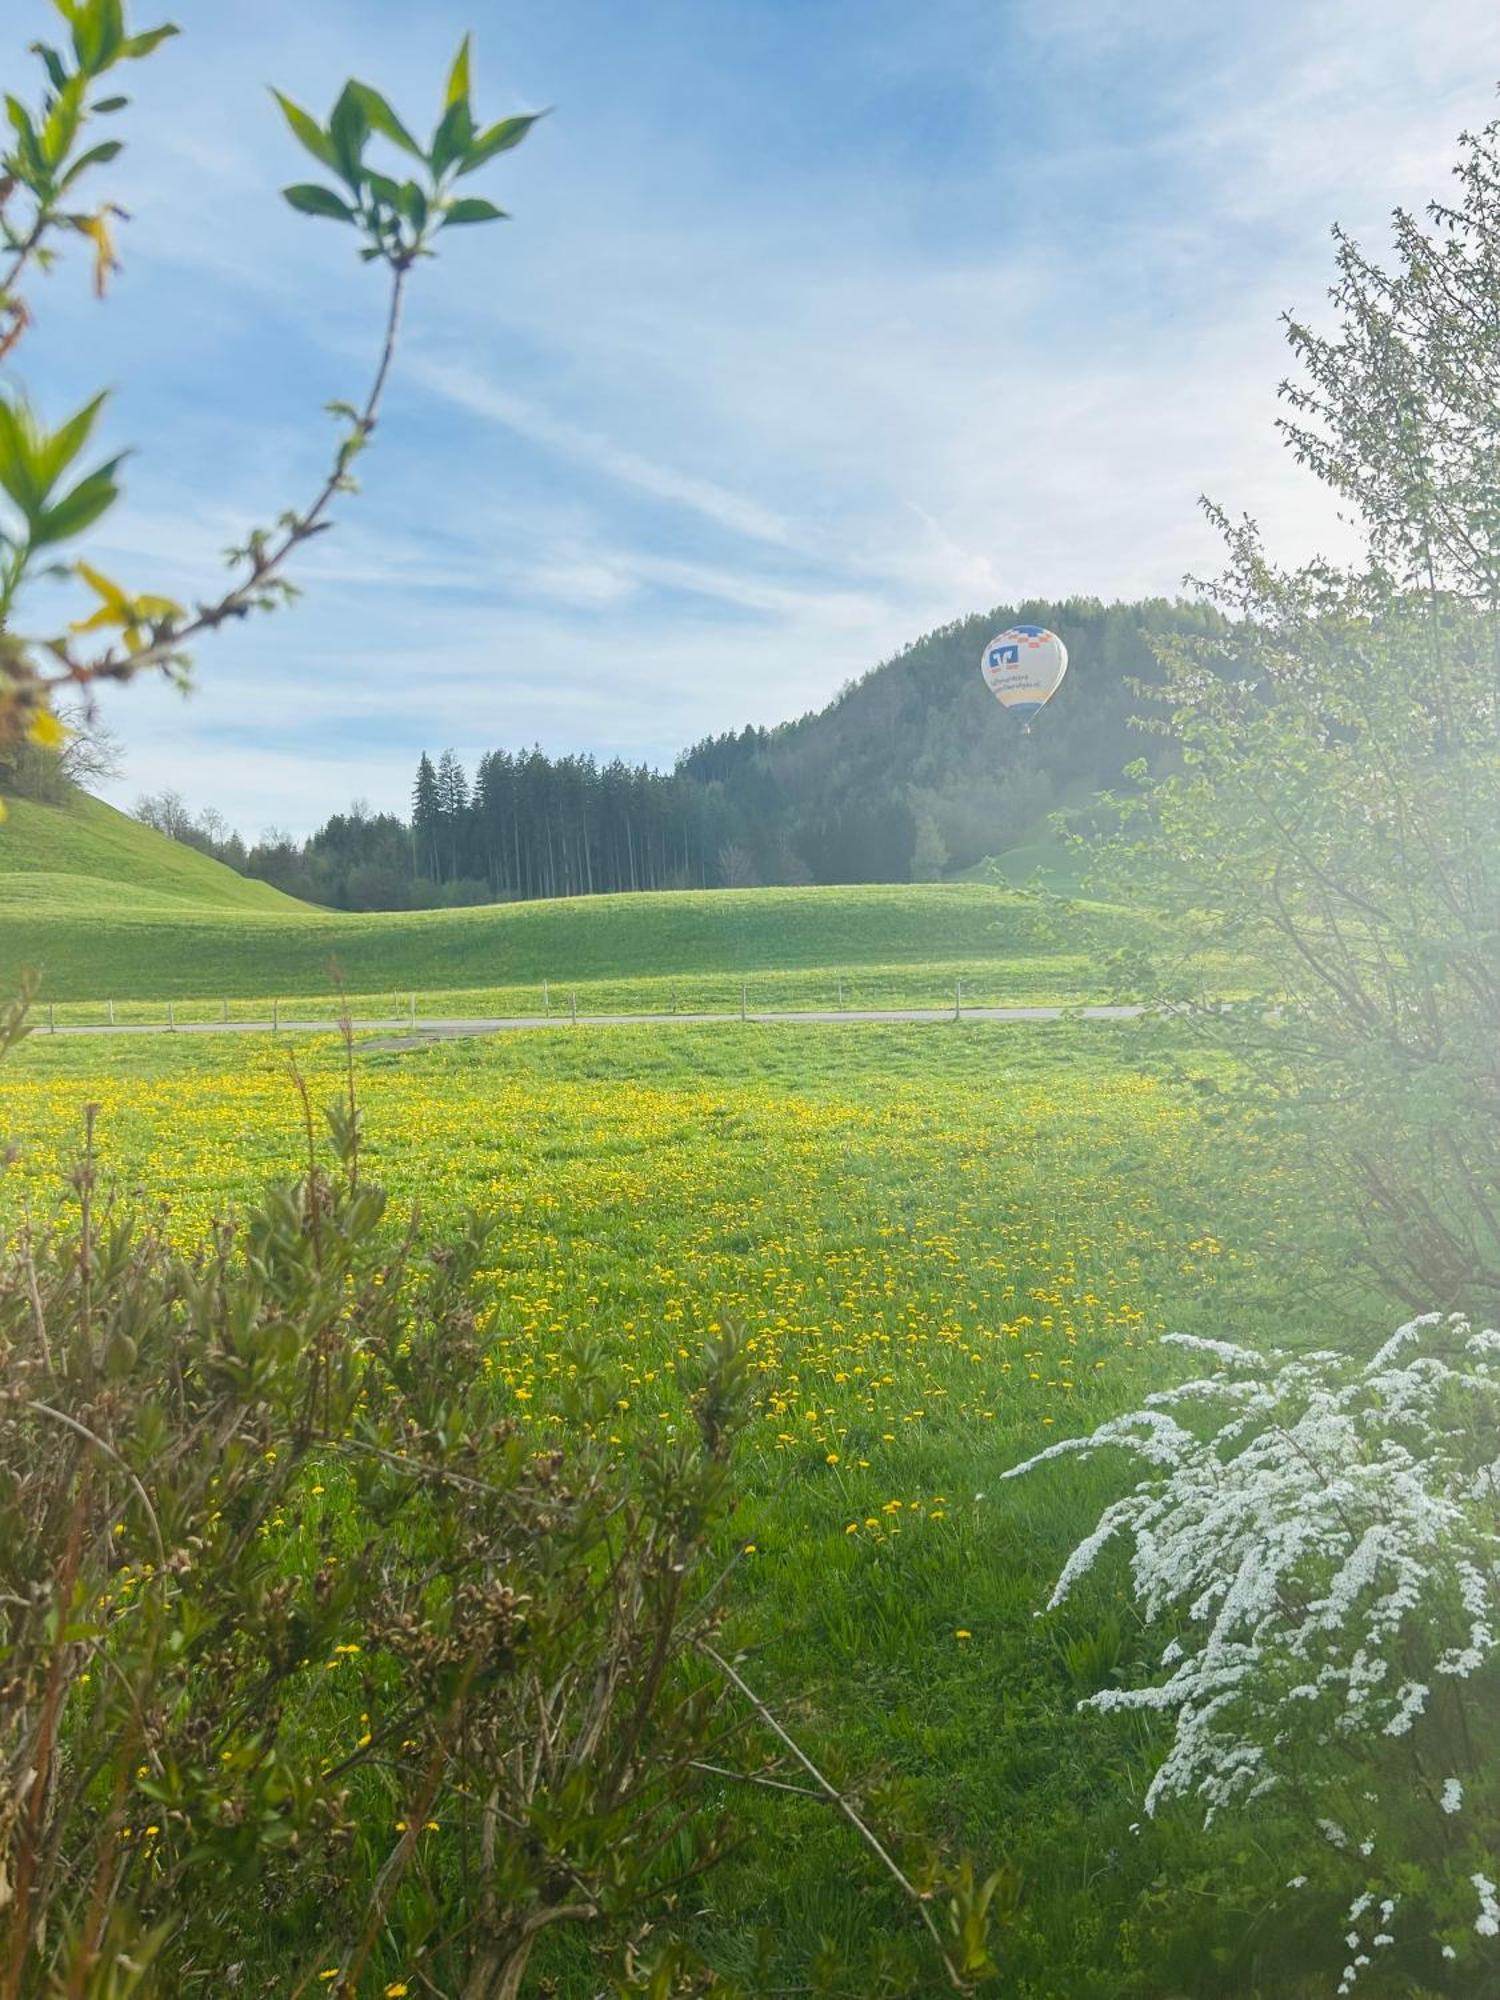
1023, 668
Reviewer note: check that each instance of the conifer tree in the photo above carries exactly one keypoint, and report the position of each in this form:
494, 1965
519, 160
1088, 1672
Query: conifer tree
425, 818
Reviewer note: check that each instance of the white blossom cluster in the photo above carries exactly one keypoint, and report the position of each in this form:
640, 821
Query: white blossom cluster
1322, 1537
1381, 1939
1488, 1921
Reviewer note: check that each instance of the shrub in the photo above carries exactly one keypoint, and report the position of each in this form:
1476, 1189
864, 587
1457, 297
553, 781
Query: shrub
314, 1660
1321, 1561
1329, 816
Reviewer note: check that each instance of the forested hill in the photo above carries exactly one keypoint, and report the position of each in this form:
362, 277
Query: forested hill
913, 772
915, 769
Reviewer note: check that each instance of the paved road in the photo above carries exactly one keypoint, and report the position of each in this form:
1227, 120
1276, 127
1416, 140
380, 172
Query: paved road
423, 1028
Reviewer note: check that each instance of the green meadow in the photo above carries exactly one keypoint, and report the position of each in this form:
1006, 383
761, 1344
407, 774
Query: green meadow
946, 1247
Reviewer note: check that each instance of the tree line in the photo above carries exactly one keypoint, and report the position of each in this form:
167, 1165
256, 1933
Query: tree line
526, 825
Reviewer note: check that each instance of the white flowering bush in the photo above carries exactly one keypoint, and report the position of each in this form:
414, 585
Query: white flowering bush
1316, 1539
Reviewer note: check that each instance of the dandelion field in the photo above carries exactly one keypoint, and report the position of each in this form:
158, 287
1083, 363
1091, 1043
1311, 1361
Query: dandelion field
945, 1248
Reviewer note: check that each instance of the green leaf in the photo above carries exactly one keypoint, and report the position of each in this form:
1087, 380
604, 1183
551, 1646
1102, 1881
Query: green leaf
348, 129
52, 456
413, 204
30, 154
472, 210
79, 509
18, 441
88, 32
32, 460
308, 132
146, 44
61, 126
98, 34
108, 104
119, 1358
310, 199
384, 189
458, 76
112, 31
96, 156
53, 63
382, 119
498, 139
452, 139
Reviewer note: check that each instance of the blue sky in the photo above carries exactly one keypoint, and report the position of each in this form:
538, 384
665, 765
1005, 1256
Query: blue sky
819, 323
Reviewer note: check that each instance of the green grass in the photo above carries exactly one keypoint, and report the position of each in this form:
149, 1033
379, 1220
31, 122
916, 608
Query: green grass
948, 1246
1043, 863
1050, 979
86, 859
108, 913
105, 910
1042, 858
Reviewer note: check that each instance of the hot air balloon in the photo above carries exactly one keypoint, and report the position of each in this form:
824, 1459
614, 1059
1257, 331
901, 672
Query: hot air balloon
1023, 669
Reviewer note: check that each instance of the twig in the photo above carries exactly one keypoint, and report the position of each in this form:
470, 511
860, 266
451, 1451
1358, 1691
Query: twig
264, 565
754, 1778
92, 1437
835, 1797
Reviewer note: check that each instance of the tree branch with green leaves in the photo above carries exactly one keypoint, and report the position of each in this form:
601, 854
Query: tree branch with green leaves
52, 150
398, 222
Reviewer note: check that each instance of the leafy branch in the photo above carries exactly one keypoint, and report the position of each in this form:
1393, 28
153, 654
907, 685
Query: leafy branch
49, 153
398, 222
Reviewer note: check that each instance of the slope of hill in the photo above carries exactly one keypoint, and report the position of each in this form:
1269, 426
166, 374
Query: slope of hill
85, 856
88, 944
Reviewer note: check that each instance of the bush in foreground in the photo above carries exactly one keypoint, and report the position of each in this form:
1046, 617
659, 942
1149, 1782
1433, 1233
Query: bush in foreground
314, 1665
1321, 1561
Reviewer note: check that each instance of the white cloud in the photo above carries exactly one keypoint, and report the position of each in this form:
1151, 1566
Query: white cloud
597, 453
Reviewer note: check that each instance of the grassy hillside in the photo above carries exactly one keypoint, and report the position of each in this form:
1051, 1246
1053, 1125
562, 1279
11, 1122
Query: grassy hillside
103, 909
87, 946
86, 857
